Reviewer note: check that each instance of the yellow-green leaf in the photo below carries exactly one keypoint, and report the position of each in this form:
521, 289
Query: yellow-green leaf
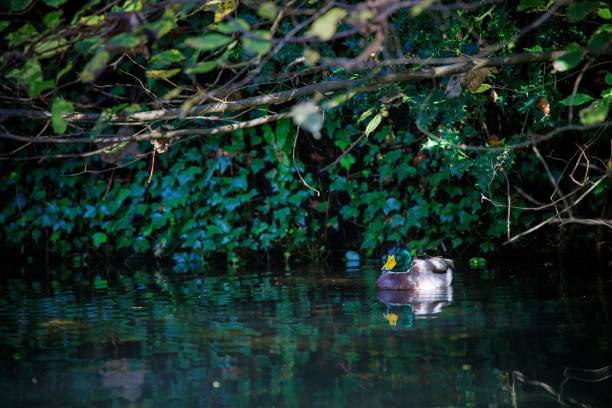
95, 66
325, 26
597, 112
373, 124
258, 44
208, 42
162, 73
59, 108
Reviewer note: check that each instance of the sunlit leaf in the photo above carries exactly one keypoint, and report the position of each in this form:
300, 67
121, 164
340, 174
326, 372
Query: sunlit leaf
482, 88
604, 13
308, 116
568, 61
95, 66
202, 67
258, 43
232, 26
373, 124
162, 73
597, 112
267, 10
208, 42
60, 108
125, 40
576, 100
325, 26
165, 58
47, 49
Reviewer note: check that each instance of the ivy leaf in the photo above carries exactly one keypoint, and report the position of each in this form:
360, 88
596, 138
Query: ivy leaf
259, 45
325, 26
373, 124
578, 11
95, 66
208, 42
569, 60
59, 108
99, 238
576, 100
597, 112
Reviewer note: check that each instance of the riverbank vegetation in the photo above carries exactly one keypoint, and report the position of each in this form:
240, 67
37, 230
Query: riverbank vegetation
193, 129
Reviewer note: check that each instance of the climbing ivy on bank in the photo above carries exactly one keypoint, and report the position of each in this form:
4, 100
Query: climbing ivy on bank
363, 169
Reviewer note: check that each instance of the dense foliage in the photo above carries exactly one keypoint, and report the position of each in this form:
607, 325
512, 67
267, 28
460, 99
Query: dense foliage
167, 128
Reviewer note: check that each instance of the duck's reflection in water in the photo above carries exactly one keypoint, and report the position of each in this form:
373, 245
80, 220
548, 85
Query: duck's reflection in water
404, 306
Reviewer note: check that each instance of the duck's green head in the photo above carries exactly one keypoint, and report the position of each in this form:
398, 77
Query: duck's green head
397, 260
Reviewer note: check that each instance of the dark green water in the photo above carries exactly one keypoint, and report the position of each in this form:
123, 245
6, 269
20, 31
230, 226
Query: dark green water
302, 339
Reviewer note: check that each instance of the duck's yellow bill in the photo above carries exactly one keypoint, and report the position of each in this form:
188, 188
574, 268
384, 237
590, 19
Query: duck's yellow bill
390, 264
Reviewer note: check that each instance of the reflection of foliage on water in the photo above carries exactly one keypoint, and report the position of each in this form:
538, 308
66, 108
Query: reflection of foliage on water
308, 339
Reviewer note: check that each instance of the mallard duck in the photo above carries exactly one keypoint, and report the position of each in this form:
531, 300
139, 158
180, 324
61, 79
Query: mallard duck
400, 272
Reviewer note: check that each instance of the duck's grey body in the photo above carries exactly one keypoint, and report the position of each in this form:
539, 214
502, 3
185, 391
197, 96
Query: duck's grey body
424, 274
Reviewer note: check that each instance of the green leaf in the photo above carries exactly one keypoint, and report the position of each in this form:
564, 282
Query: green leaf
535, 48
259, 45
125, 40
608, 78
165, 58
4, 24
162, 73
373, 124
267, 10
59, 108
24, 34
92, 20
208, 42
19, 5
578, 11
482, 88
576, 100
95, 66
31, 75
99, 238
532, 5
597, 112
604, 13
53, 18
202, 67
47, 49
602, 38
364, 115
232, 26
325, 26
54, 3
568, 61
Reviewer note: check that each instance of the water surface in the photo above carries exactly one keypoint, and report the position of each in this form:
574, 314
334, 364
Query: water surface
308, 338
